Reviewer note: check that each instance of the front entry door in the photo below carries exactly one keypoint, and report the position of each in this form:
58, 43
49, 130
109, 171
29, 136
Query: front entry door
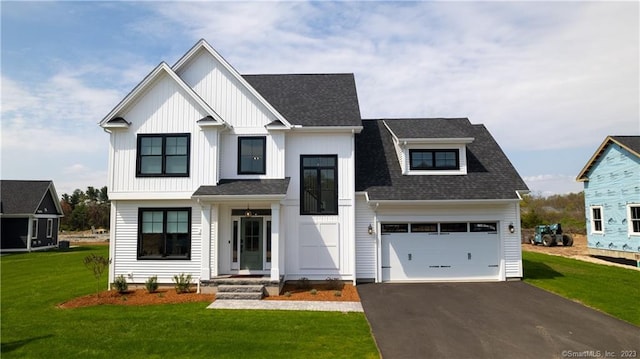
251, 243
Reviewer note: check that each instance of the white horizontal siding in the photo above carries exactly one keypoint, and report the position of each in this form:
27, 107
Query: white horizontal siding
125, 241
224, 93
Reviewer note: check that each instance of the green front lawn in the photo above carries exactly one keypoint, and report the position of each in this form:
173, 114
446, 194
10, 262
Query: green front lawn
613, 290
33, 327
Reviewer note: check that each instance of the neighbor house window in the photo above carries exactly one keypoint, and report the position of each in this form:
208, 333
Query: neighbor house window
164, 233
596, 220
434, 159
634, 219
163, 155
319, 188
49, 228
34, 228
251, 155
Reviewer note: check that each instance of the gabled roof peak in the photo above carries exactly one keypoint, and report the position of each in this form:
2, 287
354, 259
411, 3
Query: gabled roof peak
162, 68
629, 143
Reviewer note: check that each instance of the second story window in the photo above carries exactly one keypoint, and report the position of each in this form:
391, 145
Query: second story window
251, 155
319, 187
163, 155
434, 159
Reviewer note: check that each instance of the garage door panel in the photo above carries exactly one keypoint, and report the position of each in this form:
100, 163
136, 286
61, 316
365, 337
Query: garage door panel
419, 256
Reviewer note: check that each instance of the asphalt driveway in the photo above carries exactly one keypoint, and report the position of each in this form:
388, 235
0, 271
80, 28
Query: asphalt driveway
490, 320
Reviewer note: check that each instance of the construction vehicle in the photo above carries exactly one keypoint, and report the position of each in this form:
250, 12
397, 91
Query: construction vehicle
550, 235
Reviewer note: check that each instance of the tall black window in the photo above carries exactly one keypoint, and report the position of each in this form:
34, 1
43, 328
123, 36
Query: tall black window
163, 155
164, 233
319, 187
434, 159
251, 155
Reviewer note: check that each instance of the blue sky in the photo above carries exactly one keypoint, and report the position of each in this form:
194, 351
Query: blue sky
550, 80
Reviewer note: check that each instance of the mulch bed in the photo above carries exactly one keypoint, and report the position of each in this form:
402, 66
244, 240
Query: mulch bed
169, 296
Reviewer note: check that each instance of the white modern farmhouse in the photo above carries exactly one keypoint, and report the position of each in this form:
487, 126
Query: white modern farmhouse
218, 174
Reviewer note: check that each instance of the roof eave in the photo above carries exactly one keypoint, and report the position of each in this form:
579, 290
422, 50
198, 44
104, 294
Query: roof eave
352, 129
240, 198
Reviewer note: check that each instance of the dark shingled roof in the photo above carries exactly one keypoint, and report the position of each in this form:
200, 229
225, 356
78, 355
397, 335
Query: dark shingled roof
22, 197
438, 128
490, 175
632, 142
311, 99
251, 187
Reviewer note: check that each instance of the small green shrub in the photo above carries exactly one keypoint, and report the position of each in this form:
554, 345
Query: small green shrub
151, 284
337, 293
120, 283
334, 283
313, 291
303, 283
182, 282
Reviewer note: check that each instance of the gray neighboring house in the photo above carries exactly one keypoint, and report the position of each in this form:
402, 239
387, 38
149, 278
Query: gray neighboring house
30, 215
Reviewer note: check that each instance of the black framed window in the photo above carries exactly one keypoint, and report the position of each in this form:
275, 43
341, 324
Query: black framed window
164, 233
424, 227
251, 155
163, 155
434, 159
484, 227
319, 187
395, 228
453, 227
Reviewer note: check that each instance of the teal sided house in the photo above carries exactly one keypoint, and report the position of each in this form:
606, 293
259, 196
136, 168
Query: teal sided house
222, 175
612, 198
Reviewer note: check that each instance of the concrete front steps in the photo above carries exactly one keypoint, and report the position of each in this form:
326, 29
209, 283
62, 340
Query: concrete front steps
242, 287
240, 291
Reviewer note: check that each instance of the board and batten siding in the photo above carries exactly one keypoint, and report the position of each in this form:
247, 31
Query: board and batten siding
224, 92
125, 242
333, 236
274, 154
503, 213
164, 108
365, 242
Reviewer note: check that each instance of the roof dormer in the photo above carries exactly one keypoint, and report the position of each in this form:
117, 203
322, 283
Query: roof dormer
431, 146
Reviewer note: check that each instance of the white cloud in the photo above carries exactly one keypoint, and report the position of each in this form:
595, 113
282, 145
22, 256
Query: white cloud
549, 184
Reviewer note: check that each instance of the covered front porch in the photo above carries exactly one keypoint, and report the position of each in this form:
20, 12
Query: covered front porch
241, 230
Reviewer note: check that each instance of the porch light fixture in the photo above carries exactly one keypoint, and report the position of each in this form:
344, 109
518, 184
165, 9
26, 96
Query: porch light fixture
248, 212
370, 229
512, 229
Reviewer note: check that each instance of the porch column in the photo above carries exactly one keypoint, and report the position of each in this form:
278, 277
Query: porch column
213, 240
275, 241
205, 234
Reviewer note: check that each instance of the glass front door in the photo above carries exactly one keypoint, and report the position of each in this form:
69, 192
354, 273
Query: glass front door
251, 243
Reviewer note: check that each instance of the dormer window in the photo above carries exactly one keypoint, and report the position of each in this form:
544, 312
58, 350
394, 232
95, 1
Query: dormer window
251, 155
441, 159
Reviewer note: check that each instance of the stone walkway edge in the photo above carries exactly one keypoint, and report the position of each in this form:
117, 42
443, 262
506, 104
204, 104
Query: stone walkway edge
320, 306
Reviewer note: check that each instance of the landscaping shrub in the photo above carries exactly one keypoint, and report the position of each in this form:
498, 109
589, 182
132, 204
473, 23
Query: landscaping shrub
151, 284
97, 265
120, 283
303, 283
182, 282
334, 283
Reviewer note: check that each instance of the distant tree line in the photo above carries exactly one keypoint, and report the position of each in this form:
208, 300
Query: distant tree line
84, 210
567, 209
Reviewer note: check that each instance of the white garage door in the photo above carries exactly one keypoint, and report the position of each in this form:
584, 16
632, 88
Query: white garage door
440, 251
